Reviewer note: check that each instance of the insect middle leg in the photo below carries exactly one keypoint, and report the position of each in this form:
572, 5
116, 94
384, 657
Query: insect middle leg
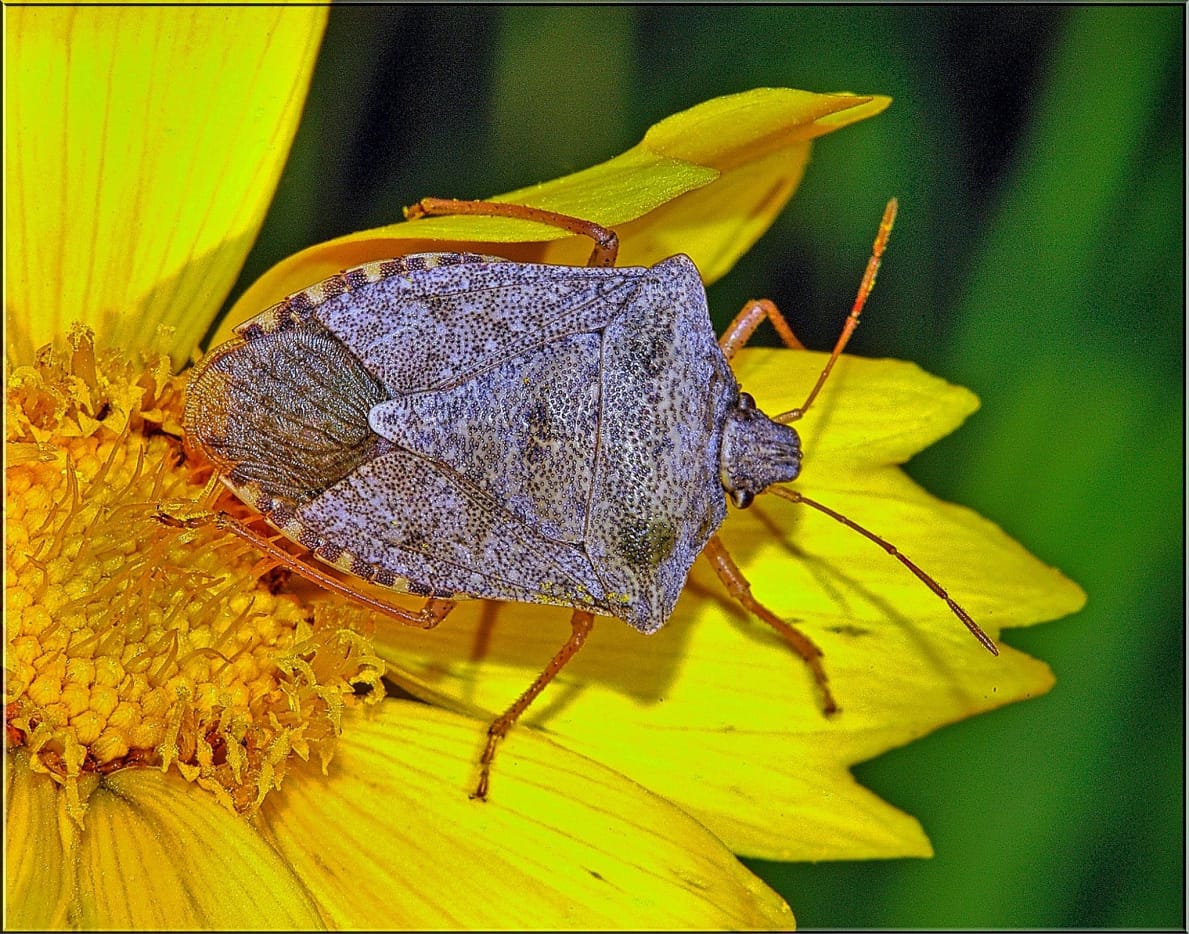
581, 624
739, 588
606, 248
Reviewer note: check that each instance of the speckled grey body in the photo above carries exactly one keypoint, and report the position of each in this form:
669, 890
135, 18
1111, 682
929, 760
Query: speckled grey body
451, 424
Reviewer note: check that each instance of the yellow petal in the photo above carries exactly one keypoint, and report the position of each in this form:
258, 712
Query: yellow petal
394, 841
717, 715
759, 142
706, 182
871, 416
159, 854
144, 145
714, 712
37, 881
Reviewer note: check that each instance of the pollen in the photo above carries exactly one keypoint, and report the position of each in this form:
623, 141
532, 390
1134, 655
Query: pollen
134, 643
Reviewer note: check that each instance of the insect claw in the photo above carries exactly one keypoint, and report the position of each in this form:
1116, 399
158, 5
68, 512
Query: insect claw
167, 519
177, 519
414, 212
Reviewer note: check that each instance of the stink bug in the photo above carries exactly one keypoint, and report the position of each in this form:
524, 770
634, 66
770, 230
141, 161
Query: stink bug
455, 425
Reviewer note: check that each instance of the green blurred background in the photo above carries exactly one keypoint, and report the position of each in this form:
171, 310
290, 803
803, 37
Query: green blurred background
1038, 153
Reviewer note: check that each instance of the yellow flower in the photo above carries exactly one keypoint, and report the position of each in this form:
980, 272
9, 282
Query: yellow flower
197, 739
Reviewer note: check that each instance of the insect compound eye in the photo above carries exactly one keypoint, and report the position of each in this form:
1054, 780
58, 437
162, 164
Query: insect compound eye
746, 401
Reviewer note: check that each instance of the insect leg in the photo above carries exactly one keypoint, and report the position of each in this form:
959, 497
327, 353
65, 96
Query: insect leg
852, 319
431, 613
581, 622
754, 312
606, 247
729, 573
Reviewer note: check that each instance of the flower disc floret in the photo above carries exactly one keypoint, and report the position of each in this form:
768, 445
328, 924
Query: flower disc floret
136, 642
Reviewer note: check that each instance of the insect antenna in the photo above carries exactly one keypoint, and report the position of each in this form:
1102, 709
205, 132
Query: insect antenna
797, 497
852, 320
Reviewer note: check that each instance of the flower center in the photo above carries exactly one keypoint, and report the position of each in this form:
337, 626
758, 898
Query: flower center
131, 642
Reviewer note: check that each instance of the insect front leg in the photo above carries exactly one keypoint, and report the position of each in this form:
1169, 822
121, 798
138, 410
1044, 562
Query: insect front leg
581, 624
729, 573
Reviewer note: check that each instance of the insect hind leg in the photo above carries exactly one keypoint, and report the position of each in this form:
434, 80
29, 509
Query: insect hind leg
431, 613
739, 588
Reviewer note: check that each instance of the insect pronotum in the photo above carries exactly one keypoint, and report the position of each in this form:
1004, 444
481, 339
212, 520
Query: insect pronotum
456, 425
